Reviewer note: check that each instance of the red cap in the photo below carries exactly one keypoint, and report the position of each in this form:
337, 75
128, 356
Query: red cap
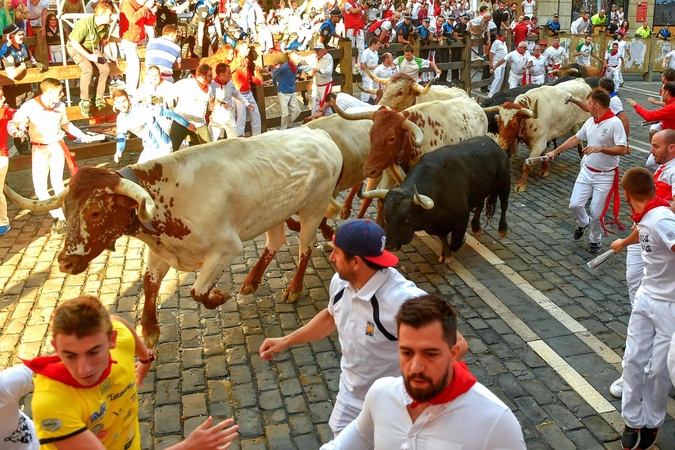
544, 43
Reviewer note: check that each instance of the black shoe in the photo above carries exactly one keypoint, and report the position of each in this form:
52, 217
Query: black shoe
579, 232
484, 89
58, 226
594, 248
630, 438
648, 437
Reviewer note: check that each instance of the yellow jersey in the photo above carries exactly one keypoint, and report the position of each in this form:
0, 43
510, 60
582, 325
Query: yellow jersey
109, 410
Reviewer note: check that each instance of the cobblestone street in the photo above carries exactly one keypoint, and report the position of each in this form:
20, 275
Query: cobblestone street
545, 332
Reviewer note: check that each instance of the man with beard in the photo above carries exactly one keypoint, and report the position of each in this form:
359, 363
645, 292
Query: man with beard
437, 401
365, 295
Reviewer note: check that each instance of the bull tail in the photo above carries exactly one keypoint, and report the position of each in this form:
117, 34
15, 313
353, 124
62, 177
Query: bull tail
332, 209
490, 206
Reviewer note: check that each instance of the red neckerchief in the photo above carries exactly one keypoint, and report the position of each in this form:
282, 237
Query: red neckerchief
203, 87
462, 381
51, 367
614, 52
555, 45
669, 101
537, 56
523, 52
500, 38
651, 204
39, 100
222, 85
608, 115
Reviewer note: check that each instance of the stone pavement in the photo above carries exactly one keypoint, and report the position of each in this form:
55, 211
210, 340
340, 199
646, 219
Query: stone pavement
512, 305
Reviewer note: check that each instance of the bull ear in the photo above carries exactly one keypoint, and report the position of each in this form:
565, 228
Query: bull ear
126, 202
405, 114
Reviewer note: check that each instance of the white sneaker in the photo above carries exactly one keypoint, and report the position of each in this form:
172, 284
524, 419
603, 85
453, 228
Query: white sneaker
616, 389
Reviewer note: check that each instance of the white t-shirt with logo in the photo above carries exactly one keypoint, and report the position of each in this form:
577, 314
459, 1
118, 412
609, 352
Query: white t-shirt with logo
17, 431
657, 238
584, 59
607, 133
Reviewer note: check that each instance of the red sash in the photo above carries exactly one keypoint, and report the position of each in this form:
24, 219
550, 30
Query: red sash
329, 89
614, 192
663, 189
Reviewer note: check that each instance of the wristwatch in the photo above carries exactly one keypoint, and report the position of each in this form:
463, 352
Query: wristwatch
150, 359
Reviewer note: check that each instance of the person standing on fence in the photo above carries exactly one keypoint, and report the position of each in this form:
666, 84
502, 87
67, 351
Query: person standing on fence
244, 76
44, 119
323, 77
6, 114
599, 174
84, 44
498, 51
520, 63
163, 52
132, 32
370, 61
193, 98
353, 13
284, 79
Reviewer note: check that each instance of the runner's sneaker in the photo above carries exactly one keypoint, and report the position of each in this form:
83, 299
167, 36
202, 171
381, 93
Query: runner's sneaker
616, 389
85, 108
648, 437
594, 248
630, 439
4, 229
579, 232
100, 103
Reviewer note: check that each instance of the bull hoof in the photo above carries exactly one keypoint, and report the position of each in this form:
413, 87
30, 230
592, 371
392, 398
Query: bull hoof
215, 299
150, 335
345, 213
546, 173
520, 187
248, 288
289, 296
478, 233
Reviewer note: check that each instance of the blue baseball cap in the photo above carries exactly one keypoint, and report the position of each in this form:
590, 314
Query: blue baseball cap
366, 239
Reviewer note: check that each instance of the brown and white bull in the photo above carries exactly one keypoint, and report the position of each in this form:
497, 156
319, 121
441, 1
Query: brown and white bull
401, 91
399, 139
576, 70
194, 208
538, 117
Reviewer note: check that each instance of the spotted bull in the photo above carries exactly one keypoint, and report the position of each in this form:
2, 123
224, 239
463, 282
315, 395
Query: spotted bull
439, 193
194, 208
577, 70
539, 116
402, 91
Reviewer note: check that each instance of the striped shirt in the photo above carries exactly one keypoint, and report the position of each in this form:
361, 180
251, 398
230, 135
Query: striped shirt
163, 53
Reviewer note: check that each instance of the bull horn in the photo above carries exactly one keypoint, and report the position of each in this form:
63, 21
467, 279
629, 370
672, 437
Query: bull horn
554, 71
491, 109
530, 112
38, 206
423, 90
417, 137
376, 193
375, 78
422, 200
367, 91
575, 71
146, 205
353, 115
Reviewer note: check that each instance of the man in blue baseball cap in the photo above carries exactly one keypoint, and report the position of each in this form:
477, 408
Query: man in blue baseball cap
365, 295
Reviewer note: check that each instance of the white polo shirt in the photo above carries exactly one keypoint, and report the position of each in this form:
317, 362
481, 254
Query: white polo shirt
383, 71
17, 431
44, 125
657, 237
556, 55
476, 420
366, 324
192, 101
613, 61
538, 65
607, 133
615, 105
370, 59
517, 61
499, 50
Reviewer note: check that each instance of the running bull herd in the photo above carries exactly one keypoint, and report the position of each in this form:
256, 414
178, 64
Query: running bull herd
195, 208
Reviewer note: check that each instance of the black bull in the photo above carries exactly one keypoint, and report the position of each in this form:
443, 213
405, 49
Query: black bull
457, 179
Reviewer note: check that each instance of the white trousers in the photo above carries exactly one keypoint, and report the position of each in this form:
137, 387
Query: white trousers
243, 112
615, 74
358, 40
515, 80
645, 395
227, 124
290, 109
497, 80
368, 84
635, 267
598, 186
4, 165
539, 79
150, 153
347, 407
55, 54
133, 72
318, 93
48, 161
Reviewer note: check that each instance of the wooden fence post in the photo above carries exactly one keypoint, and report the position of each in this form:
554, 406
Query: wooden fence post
416, 48
466, 71
346, 67
650, 66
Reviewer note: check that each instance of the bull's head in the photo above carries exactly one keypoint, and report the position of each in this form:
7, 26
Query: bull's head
390, 135
400, 91
510, 118
401, 208
99, 206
